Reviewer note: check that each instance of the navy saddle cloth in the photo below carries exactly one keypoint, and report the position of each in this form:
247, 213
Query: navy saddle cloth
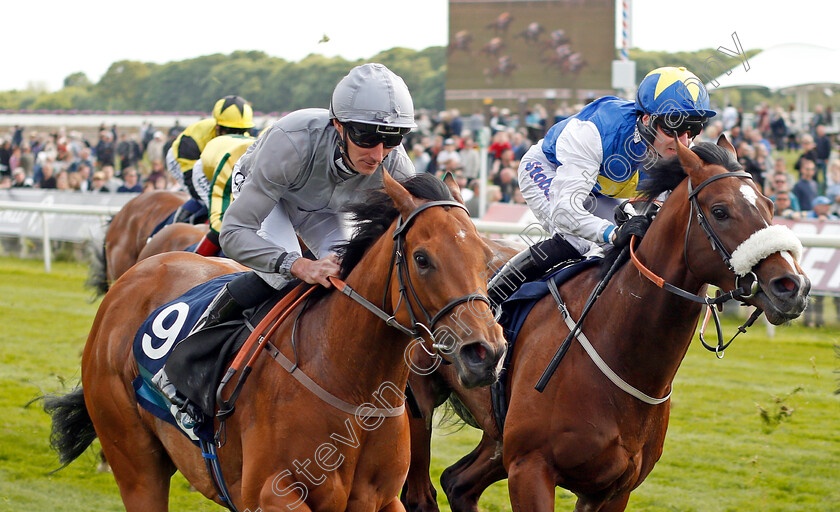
515, 311
159, 334
197, 367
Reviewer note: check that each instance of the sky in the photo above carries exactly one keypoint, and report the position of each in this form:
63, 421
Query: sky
44, 42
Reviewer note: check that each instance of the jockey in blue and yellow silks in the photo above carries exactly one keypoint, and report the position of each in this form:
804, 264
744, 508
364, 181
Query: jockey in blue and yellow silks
572, 177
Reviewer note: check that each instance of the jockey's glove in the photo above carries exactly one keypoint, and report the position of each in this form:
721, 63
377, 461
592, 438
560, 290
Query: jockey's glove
636, 225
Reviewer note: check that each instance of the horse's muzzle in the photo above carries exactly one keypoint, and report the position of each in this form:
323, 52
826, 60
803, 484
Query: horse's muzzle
785, 297
478, 363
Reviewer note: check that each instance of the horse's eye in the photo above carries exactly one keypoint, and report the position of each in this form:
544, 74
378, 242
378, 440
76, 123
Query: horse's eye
720, 213
421, 260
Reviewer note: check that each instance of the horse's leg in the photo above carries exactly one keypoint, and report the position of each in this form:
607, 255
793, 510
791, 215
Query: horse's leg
617, 504
464, 481
142, 473
276, 498
394, 506
531, 484
138, 460
419, 493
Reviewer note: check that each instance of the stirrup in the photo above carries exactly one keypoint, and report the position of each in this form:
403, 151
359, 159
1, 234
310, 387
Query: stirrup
186, 414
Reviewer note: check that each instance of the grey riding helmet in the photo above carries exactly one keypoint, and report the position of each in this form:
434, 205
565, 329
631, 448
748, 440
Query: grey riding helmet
373, 94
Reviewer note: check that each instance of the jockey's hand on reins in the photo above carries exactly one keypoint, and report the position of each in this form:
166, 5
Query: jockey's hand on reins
636, 225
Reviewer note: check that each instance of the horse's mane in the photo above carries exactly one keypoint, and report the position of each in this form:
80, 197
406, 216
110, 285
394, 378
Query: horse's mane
666, 174
375, 213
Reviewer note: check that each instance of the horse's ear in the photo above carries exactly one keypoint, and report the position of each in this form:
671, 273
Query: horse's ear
725, 144
403, 199
453, 187
688, 158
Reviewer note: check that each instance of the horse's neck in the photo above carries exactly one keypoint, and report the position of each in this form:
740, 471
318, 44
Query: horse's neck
355, 351
656, 325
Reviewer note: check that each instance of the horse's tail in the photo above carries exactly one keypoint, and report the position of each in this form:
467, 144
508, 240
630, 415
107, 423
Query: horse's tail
455, 414
97, 279
72, 428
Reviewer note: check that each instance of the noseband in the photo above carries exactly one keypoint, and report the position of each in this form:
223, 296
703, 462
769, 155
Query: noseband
398, 260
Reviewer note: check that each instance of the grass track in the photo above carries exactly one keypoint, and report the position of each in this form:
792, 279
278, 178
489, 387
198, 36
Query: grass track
719, 455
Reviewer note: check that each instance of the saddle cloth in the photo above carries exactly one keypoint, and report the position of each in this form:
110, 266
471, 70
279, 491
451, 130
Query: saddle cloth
156, 338
515, 311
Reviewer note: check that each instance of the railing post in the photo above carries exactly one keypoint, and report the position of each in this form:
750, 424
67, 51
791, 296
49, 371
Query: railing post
46, 242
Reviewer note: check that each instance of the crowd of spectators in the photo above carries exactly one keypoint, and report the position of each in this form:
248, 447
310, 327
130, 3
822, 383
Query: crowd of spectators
131, 160
448, 141
125, 161
798, 170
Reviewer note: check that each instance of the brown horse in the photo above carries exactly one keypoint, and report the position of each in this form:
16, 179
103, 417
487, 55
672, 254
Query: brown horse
127, 234
584, 432
174, 237
281, 427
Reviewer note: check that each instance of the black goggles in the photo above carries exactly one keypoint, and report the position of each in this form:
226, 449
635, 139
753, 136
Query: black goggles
371, 135
674, 125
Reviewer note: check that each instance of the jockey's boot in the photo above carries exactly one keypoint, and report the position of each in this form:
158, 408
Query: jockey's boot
183, 215
530, 264
186, 414
241, 293
223, 308
518, 270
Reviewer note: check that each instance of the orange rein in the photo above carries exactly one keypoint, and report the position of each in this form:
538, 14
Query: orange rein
658, 281
278, 313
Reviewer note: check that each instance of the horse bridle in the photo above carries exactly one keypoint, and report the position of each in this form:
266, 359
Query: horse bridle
398, 261
740, 293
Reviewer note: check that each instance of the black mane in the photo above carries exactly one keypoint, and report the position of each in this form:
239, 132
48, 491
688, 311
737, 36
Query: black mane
375, 213
666, 174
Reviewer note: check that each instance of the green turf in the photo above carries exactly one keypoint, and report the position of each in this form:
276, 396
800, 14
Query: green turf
721, 454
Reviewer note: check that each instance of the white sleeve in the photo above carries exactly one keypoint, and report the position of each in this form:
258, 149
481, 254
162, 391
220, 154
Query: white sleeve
200, 182
580, 153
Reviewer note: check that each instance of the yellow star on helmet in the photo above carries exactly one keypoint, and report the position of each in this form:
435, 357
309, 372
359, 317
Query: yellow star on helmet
669, 76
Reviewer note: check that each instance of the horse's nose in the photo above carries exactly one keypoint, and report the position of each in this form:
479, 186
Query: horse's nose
789, 286
481, 359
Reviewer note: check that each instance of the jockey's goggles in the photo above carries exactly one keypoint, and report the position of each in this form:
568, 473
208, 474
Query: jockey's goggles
674, 125
371, 135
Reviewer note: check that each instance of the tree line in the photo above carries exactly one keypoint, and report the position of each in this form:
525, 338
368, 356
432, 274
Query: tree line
273, 84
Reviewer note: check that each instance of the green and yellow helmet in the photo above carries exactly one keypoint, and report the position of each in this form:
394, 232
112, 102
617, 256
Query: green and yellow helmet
233, 112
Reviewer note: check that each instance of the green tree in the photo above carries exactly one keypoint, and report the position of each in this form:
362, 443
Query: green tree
123, 85
77, 80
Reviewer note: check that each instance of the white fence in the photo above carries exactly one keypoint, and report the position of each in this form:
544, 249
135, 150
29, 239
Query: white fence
47, 214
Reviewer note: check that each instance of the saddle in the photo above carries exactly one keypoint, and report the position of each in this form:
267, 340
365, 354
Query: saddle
195, 367
515, 311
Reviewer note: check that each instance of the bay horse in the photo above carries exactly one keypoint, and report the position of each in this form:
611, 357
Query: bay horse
415, 252
583, 432
127, 234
